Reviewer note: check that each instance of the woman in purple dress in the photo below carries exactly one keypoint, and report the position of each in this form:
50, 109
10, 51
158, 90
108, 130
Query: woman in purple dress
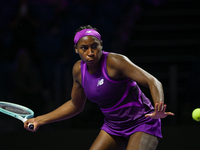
111, 80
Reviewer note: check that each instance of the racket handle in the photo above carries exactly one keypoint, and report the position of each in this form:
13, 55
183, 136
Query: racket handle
30, 126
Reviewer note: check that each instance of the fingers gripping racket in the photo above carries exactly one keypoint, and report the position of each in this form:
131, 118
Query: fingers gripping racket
17, 111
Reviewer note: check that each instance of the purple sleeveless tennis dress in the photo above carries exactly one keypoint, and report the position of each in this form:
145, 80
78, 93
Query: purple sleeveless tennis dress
121, 101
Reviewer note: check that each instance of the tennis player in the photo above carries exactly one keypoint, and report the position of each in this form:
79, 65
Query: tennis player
111, 80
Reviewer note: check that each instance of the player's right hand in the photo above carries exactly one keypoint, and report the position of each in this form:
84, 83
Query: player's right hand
31, 121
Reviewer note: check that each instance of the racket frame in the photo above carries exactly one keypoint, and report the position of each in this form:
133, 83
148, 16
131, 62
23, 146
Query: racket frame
21, 117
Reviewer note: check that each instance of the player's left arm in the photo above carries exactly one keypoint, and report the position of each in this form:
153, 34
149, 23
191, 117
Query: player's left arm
119, 66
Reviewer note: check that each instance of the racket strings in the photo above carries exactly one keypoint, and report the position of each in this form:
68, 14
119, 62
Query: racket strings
14, 109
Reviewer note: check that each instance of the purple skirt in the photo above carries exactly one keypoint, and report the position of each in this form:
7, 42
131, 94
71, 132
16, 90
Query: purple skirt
128, 120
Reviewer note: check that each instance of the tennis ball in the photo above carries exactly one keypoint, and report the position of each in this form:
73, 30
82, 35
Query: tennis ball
196, 114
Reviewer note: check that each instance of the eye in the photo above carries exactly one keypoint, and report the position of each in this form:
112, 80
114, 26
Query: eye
84, 47
94, 46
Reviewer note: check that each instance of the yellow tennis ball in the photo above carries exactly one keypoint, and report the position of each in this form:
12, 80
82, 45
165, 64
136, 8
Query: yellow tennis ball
196, 114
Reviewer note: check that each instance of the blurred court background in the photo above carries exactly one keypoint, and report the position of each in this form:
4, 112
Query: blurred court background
37, 55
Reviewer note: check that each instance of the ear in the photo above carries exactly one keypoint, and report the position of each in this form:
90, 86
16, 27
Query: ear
76, 49
101, 44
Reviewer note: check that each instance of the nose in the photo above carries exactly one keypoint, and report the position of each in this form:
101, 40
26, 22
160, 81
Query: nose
90, 52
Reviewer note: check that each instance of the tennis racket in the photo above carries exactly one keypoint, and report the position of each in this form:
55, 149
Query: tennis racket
17, 111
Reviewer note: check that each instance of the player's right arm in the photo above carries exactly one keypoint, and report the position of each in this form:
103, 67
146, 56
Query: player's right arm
68, 109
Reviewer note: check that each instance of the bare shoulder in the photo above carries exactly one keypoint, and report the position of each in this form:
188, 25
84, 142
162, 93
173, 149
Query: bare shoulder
116, 63
116, 60
76, 72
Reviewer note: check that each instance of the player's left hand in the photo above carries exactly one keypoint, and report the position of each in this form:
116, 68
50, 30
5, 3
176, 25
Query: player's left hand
159, 111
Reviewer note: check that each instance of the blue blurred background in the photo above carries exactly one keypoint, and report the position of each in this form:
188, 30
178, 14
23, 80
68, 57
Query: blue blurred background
37, 55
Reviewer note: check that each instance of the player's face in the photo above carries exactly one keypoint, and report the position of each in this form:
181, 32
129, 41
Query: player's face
89, 49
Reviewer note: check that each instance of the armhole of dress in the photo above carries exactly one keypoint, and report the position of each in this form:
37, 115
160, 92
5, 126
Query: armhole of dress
105, 72
82, 73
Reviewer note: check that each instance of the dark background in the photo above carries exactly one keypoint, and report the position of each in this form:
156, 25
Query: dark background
37, 55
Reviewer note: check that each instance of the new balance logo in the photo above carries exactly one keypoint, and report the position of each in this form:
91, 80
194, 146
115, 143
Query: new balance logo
100, 82
88, 31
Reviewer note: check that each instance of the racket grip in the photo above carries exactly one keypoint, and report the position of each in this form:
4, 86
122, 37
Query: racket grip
30, 126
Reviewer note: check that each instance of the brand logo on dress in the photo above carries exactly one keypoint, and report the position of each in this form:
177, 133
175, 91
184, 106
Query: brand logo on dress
100, 82
88, 31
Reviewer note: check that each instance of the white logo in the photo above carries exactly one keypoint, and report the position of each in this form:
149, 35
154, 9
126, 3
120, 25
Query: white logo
100, 82
88, 31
